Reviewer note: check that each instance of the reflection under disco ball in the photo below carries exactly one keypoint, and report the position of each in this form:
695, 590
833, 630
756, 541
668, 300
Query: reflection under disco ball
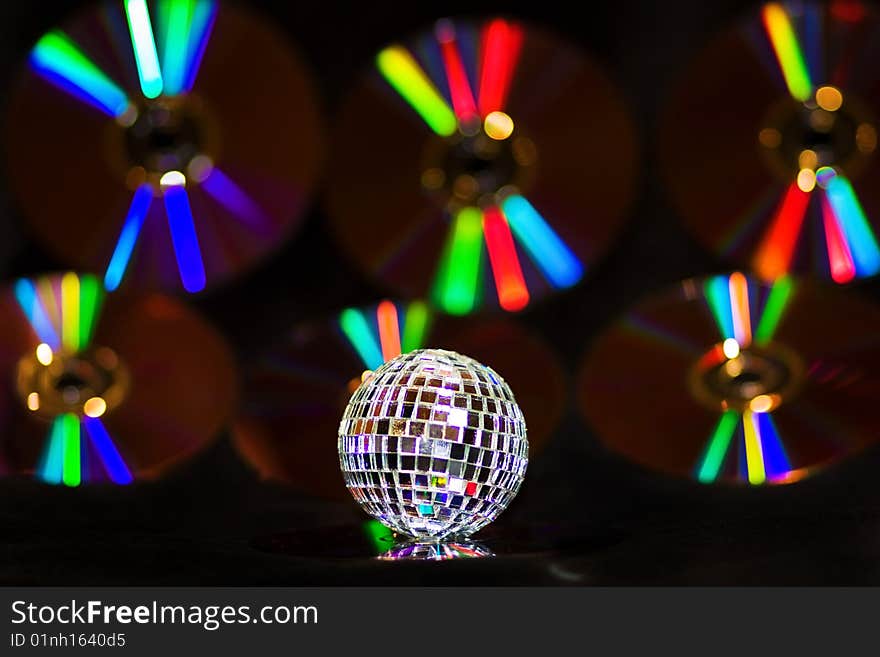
433, 444
105, 390
295, 392
481, 164
730, 380
437, 551
769, 143
163, 144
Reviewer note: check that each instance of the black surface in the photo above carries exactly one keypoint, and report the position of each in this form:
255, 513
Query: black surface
610, 522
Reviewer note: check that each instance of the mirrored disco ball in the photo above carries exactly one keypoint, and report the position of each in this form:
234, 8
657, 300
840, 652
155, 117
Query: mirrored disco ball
433, 444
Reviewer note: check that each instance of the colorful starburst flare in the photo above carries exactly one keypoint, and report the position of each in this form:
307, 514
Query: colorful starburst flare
786, 185
63, 313
731, 302
167, 61
478, 91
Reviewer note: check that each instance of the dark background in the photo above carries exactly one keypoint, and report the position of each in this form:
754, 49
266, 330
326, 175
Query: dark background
584, 516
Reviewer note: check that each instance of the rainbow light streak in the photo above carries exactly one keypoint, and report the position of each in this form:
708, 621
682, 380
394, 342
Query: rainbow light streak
459, 86
176, 16
356, 329
112, 461
460, 269
415, 324
131, 229
232, 197
862, 243
200, 28
462, 550
90, 297
776, 463
184, 238
840, 259
380, 536
72, 474
754, 448
739, 306
512, 292
144, 47
555, 260
774, 255
46, 293
717, 291
788, 51
51, 468
32, 307
774, 308
58, 60
719, 443
70, 337
389, 329
501, 45
403, 73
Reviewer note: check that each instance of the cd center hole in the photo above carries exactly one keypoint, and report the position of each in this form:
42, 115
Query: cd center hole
748, 378
479, 165
69, 380
808, 137
164, 138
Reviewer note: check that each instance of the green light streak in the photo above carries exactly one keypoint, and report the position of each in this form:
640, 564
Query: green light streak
459, 273
404, 74
70, 431
89, 306
176, 20
718, 446
415, 325
774, 308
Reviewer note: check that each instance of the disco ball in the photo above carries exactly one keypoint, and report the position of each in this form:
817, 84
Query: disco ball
433, 444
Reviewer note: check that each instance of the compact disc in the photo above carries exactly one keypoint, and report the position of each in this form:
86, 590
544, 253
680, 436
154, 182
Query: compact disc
105, 389
728, 379
768, 142
480, 164
163, 145
295, 394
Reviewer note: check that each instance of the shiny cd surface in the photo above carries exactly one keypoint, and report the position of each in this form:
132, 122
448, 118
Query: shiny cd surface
480, 164
167, 145
296, 393
769, 140
727, 379
105, 389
